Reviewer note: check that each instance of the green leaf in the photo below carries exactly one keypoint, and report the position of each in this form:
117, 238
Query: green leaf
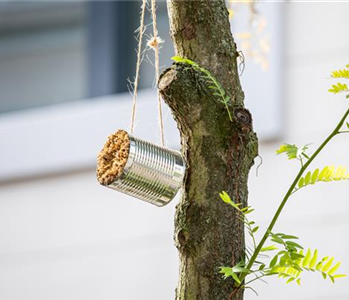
323, 173
236, 278
307, 258
307, 178
248, 211
313, 260
298, 281
320, 264
315, 176
273, 261
270, 273
290, 243
348, 125
269, 248
334, 269
290, 280
255, 229
327, 265
301, 182
225, 197
339, 276
284, 259
340, 173
261, 267
296, 256
228, 272
277, 240
282, 149
290, 150
238, 269
289, 237
184, 60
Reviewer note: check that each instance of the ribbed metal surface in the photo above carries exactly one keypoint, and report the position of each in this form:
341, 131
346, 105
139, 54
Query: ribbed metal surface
152, 173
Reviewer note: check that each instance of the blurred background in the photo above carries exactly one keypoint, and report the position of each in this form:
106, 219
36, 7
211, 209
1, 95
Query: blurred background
65, 69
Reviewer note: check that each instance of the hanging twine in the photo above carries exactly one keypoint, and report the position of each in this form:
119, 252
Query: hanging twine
154, 43
139, 61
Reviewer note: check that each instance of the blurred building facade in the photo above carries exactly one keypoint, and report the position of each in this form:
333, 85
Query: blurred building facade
63, 236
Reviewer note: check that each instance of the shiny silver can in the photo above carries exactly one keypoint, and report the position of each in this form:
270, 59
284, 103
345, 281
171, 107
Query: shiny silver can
152, 173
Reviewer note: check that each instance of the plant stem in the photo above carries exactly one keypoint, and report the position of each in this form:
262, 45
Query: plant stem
290, 191
254, 279
227, 108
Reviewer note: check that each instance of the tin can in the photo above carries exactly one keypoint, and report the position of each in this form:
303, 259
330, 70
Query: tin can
152, 173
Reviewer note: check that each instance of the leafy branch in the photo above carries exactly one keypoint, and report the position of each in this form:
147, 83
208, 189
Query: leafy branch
290, 261
213, 83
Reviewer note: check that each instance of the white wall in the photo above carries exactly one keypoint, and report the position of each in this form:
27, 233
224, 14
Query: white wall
65, 237
68, 238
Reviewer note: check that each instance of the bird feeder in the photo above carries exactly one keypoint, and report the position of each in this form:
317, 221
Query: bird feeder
140, 169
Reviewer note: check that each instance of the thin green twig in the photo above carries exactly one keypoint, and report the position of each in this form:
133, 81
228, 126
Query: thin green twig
335, 132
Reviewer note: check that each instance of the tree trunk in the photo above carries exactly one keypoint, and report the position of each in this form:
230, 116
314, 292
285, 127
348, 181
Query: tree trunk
218, 152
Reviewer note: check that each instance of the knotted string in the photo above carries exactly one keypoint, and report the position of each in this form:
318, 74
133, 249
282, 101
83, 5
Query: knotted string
153, 43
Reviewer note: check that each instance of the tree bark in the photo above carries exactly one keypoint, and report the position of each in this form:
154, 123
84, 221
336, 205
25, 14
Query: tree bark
218, 153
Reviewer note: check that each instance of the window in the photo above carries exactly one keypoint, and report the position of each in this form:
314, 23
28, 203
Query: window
42, 53
66, 53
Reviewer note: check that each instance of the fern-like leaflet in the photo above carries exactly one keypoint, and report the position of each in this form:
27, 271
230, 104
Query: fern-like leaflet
327, 174
344, 73
340, 87
294, 152
212, 83
291, 266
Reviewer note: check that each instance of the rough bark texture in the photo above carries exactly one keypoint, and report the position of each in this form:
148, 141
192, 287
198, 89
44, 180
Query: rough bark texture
218, 153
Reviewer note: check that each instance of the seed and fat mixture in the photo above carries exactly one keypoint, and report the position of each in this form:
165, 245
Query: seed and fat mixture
113, 157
